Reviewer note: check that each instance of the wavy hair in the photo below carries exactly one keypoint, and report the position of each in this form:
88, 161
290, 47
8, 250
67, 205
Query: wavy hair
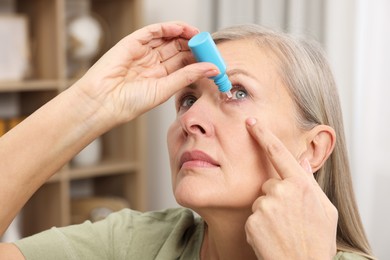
305, 71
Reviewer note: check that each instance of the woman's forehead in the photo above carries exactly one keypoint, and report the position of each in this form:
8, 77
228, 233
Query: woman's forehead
247, 57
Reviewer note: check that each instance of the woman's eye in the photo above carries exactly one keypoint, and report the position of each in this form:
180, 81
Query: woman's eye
239, 93
187, 101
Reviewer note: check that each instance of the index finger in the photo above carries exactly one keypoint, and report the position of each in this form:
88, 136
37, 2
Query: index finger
164, 30
281, 158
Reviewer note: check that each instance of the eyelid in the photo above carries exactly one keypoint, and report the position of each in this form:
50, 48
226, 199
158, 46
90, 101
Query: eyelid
183, 95
238, 87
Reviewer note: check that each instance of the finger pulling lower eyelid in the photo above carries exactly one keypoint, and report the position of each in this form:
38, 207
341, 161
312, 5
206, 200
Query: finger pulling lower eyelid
251, 121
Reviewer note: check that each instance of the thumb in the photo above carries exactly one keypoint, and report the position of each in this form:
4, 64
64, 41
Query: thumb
185, 76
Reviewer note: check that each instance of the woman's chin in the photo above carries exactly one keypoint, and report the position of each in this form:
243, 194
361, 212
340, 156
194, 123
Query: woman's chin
191, 197
196, 192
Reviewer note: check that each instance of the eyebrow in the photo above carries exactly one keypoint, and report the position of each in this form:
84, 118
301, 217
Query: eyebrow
234, 72
230, 73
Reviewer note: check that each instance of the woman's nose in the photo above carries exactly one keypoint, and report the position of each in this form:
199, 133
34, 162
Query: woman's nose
197, 120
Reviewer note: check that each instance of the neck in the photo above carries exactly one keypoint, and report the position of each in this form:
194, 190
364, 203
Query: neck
225, 236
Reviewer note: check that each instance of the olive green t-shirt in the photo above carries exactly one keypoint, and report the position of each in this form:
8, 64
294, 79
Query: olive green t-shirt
127, 234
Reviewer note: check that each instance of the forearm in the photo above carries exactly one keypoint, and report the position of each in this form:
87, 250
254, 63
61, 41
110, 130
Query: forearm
40, 145
140, 72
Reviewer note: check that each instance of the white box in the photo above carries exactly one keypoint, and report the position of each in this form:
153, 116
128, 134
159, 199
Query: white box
14, 47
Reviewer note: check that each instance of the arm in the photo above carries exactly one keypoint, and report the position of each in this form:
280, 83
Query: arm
10, 251
41, 145
140, 72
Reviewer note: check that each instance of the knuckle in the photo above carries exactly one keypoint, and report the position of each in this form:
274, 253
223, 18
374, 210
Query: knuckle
255, 205
258, 204
278, 189
265, 206
275, 187
251, 223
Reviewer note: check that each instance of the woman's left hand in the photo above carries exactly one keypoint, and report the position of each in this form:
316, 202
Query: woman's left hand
293, 219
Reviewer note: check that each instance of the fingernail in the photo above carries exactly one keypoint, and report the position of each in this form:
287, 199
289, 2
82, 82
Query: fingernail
307, 166
251, 121
211, 73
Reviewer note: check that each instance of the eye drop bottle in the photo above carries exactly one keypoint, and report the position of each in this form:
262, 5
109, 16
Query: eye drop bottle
204, 49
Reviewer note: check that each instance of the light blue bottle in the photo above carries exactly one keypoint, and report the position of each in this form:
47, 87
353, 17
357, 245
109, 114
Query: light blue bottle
204, 49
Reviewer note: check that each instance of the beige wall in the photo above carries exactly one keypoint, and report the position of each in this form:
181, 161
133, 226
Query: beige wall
159, 180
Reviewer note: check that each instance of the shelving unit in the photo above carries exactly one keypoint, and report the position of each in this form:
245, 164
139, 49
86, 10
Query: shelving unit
120, 173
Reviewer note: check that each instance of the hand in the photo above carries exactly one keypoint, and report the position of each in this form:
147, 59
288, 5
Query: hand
143, 70
294, 219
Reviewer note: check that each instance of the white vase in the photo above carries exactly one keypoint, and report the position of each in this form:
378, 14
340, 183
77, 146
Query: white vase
90, 155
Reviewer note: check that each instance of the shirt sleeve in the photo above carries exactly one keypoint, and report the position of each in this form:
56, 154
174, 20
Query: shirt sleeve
126, 234
85, 241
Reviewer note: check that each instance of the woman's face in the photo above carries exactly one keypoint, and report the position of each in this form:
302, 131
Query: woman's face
215, 163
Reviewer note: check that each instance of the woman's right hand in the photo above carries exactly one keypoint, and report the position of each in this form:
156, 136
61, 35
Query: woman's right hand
143, 70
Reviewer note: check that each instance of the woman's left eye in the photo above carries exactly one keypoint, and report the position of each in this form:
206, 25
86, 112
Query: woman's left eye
239, 92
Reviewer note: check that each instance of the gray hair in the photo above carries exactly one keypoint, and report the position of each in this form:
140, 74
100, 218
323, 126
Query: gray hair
304, 70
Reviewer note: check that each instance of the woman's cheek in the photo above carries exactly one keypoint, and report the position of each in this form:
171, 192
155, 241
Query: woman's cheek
173, 143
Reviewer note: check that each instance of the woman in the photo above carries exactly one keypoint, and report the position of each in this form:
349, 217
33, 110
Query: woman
263, 169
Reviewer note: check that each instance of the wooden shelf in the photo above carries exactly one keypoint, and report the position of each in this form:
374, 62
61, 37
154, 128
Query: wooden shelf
121, 170
103, 169
29, 85
56, 177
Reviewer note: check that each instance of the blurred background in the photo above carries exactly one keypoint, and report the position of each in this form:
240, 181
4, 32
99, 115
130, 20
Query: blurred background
354, 33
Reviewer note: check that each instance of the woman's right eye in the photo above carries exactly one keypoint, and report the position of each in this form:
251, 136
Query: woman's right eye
187, 101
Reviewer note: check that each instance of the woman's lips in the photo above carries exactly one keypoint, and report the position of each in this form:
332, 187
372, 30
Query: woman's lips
197, 159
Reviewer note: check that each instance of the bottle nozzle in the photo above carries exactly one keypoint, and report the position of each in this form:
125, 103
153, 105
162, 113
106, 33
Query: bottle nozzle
229, 94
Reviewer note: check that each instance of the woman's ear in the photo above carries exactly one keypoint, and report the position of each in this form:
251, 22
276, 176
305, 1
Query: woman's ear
320, 144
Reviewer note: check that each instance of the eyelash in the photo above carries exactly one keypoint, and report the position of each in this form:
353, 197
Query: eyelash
234, 90
183, 98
